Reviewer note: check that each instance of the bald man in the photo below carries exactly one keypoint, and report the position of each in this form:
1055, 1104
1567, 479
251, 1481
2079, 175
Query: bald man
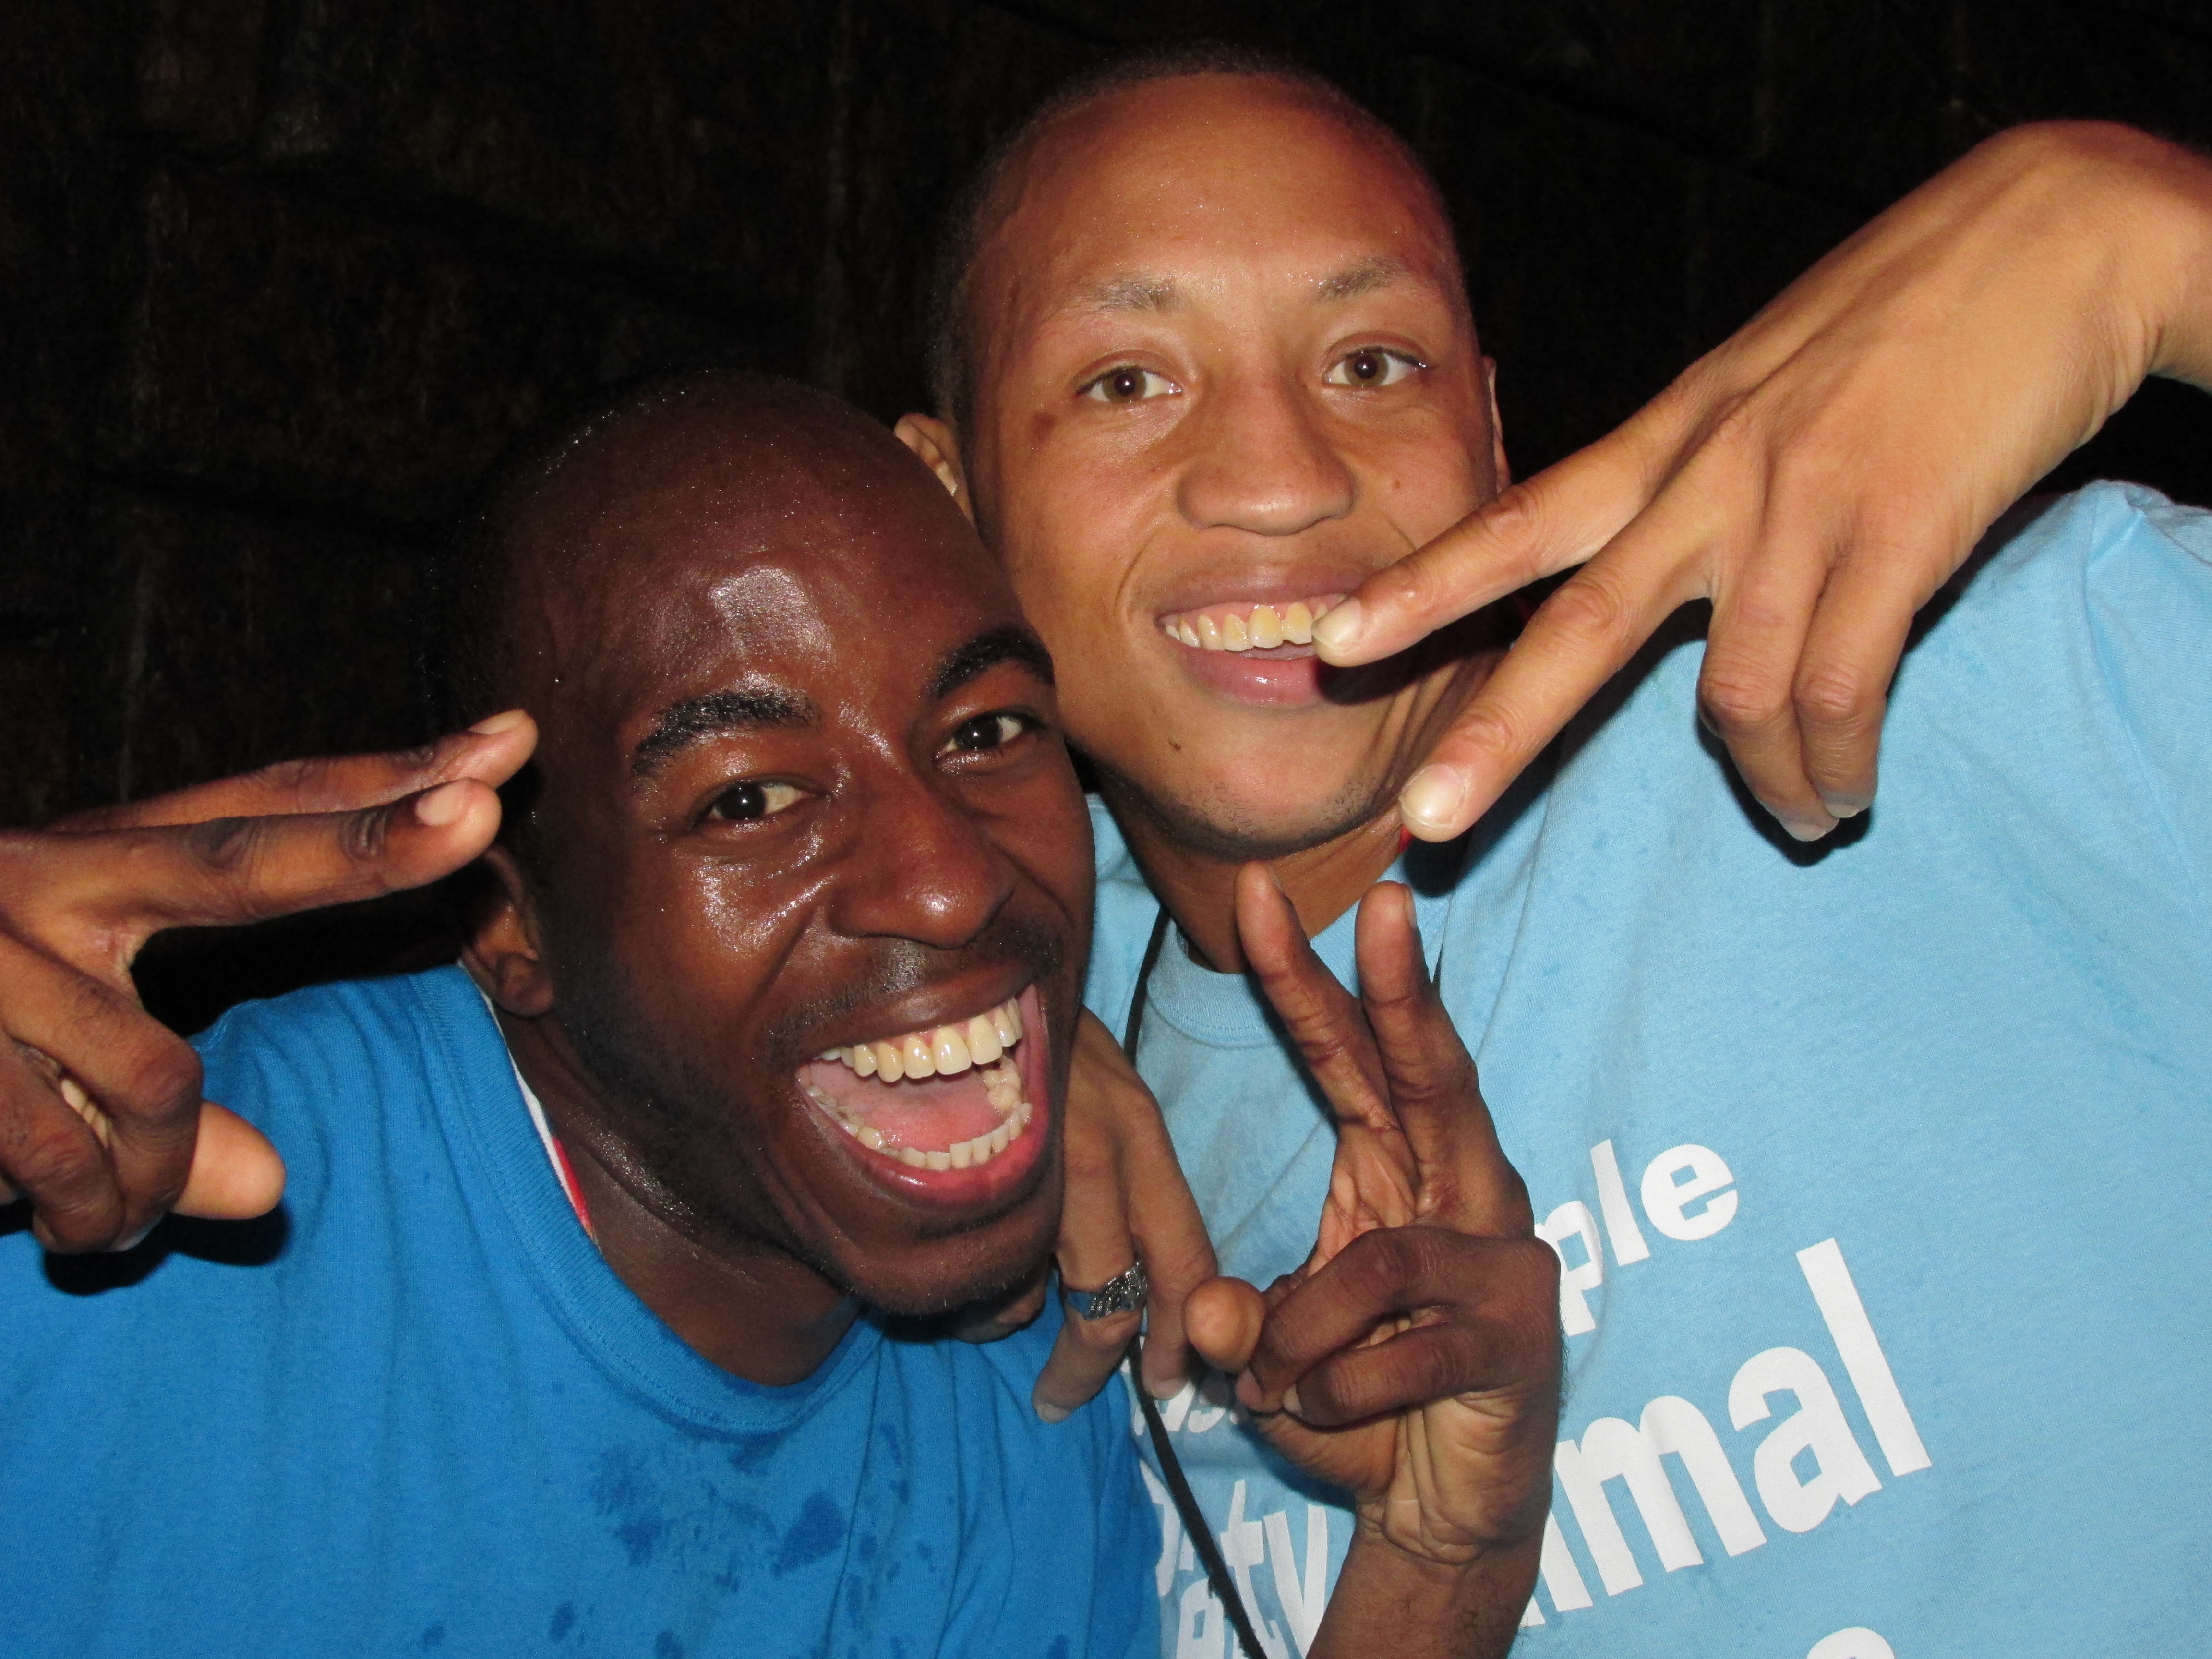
1826, 1141
579, 1333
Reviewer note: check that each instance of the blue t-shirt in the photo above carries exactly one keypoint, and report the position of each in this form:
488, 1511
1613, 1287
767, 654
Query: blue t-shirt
423, 1415
1879, 1173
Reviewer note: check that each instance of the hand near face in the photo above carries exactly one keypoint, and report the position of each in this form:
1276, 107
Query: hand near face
1125, 1200
1414, 1358
102, 1127
1819, 474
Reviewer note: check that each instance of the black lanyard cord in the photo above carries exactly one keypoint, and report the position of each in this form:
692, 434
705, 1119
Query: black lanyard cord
1195, 1525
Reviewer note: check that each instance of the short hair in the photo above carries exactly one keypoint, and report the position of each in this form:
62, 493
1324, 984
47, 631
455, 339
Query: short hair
984, 202
469, 670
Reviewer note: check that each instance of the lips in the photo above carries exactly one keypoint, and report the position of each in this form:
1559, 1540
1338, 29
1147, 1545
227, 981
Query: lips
951, 1116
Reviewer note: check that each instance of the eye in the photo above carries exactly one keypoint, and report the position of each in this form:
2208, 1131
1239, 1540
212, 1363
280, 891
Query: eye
1372, 366
743, 803
986, 732
1125, 383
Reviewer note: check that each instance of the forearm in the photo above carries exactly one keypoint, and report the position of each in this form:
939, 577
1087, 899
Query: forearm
1387, 1601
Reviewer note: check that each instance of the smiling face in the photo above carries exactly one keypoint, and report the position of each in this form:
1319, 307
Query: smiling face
803, 795
1224, 369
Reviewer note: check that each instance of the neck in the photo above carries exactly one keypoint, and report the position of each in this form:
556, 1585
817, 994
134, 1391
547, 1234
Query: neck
757, 1312
1199, 887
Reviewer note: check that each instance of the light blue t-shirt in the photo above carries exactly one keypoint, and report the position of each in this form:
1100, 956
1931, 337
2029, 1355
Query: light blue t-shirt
420, 1414
1879, 1173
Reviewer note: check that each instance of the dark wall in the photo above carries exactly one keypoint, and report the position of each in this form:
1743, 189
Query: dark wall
278, 276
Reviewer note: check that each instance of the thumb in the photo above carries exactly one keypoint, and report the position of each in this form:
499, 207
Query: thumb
236, 1174
1222, 1319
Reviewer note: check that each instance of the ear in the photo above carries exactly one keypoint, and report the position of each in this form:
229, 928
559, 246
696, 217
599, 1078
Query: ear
1497, 427
939, 446
503, 954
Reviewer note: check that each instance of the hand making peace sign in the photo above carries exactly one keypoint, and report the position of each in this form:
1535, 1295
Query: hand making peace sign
102, 1127
1414, 1358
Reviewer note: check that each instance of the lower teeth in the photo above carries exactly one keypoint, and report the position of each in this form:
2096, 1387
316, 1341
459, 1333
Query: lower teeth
1002, 1085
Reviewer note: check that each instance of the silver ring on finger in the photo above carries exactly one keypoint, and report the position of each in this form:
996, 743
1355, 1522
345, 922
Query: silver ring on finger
1123, 1293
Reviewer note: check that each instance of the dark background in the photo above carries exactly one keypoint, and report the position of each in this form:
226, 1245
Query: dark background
278, 277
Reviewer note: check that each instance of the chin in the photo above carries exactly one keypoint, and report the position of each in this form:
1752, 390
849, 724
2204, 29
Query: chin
992, 1277
1216, 820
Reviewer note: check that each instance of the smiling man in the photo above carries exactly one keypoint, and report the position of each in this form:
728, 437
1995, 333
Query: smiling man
1825, 1143
800, 822
596, 1317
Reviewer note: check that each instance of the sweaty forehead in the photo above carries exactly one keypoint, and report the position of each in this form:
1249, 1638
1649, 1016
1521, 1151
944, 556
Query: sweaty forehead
672, 551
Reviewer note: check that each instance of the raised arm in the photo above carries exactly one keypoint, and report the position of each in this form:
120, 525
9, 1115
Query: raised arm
1819, 474
102, 1127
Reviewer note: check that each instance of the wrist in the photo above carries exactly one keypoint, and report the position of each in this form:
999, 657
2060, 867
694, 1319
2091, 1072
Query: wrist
2149, 204
1415, 1607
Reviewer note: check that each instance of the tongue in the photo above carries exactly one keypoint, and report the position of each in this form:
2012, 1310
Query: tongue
927, 1114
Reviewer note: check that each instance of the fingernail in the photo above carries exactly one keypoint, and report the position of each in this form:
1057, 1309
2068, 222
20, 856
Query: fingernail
1845, 806
1337, 632
492, 725
1431, 800
1291, 1401
1045, 1409
1805, 828
443, 805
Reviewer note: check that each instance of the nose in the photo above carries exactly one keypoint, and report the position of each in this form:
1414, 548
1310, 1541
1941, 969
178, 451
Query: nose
922, 868
1263, 461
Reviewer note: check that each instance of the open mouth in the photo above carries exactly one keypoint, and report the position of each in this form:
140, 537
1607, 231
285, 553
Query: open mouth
1276, 630
953, 1101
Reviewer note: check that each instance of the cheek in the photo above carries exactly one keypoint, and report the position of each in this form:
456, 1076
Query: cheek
1427, 479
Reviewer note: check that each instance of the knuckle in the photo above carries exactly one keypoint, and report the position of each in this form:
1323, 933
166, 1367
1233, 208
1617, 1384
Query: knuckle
1590, 605
1736, 428
1487, 729
224, 847
68, 1179
1837, 695
1387, 1258
1740, 698
363, 835
297, 781
1109, 1334
162, 1081
1448, 1360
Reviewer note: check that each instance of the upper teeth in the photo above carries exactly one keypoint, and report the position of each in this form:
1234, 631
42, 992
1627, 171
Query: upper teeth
943, 1051
1246, 628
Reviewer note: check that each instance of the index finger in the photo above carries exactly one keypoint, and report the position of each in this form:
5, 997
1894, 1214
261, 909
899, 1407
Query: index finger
1580, 637
491, 751
1466, 1180
1525, 533
1317, 1012
100, 895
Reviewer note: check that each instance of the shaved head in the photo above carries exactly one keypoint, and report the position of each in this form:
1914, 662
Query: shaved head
995, 188
724, 453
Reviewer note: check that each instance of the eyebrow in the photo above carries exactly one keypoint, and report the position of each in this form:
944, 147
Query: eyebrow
1378, 270
1138, 291
735, 708
1134, 292
986, 652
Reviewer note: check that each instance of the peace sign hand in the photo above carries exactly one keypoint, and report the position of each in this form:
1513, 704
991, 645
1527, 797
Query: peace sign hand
1414, 1358
102, 1127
